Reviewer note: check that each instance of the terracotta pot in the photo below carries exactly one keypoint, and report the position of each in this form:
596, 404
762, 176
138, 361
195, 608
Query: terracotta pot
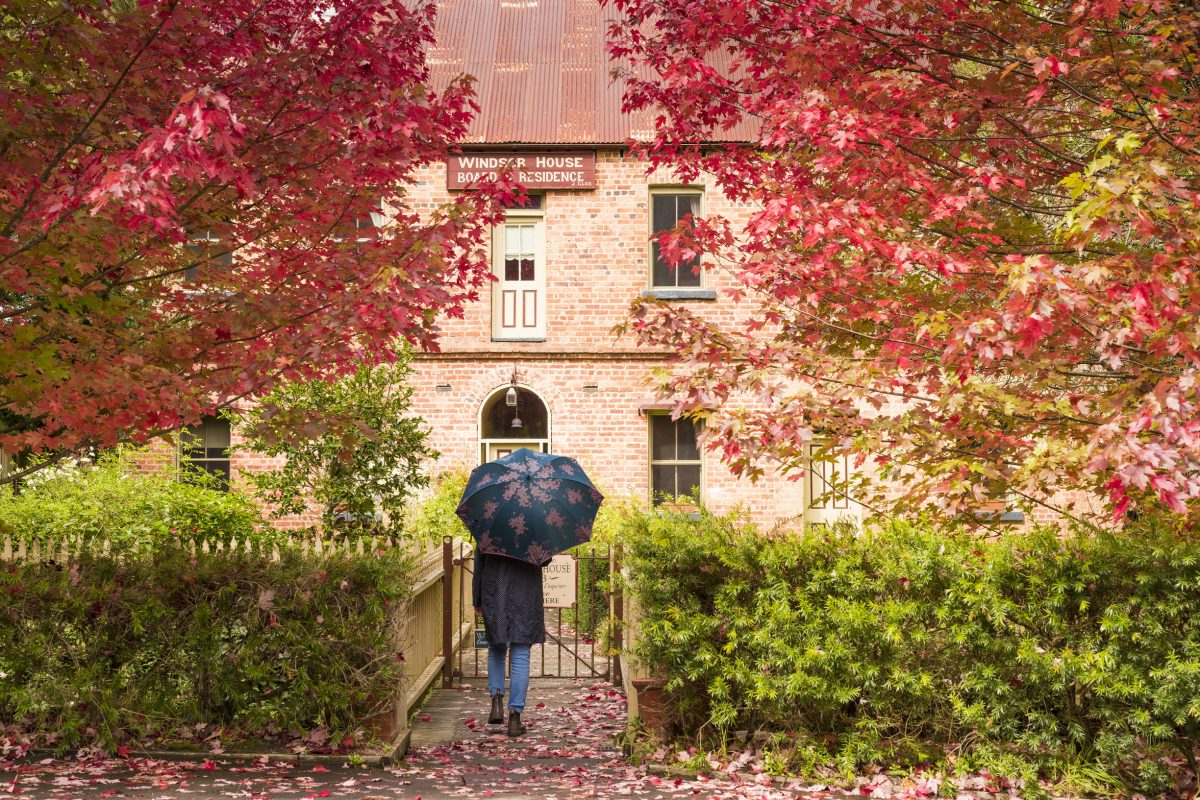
652, 707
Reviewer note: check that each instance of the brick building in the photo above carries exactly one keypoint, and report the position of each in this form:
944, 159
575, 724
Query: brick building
535, 363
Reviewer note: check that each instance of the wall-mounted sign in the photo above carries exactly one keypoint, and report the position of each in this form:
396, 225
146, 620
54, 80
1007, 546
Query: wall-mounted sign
553, 170
558, 582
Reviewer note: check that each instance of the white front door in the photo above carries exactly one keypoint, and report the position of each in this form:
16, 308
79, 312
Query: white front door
501, 449
519, 295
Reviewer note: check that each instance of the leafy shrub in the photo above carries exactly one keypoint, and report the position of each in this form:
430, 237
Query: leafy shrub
113, 500
433, 517
114, 650
351, 446
590, 614
1032, 650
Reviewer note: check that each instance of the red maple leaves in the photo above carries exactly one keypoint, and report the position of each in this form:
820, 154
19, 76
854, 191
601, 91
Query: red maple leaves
183, 198
970, 255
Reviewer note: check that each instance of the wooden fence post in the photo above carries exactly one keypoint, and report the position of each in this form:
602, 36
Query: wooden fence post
618, 613
447, 612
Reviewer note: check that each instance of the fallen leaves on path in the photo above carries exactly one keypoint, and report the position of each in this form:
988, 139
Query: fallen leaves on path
568, 754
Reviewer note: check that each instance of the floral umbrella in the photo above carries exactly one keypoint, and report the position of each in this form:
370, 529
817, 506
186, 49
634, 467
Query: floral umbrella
529, 506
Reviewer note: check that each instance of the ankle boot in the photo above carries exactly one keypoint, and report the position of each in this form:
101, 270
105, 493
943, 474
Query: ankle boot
515, 726
497, 715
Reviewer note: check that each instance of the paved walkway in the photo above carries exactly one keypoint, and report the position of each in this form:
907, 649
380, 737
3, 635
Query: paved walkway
568, 753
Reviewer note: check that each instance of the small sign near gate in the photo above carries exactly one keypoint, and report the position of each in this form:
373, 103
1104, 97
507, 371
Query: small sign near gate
558, 582
480, 639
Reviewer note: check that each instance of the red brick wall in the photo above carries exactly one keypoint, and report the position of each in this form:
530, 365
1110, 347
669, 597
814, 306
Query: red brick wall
597, 260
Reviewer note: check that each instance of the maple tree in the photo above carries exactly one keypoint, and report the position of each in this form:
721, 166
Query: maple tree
190, 200
971, 250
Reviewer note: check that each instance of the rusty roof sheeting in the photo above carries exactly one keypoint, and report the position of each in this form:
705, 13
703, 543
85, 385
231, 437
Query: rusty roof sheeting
542, 73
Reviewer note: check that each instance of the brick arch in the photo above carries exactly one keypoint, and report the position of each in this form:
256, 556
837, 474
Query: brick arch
499, 379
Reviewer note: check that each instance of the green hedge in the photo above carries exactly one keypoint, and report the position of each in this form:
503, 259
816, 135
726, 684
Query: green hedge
114, 500
111, 650
1029, 654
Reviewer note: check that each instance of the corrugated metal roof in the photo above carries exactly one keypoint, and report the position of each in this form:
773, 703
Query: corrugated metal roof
542, 74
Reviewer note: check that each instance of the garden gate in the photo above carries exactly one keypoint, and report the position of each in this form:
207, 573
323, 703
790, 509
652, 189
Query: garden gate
583, 612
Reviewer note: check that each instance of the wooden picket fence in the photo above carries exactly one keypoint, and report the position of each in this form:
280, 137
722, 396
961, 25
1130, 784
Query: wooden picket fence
439, 573
65, 549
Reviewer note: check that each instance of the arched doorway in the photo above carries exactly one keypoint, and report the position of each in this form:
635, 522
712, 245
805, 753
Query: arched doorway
512, 417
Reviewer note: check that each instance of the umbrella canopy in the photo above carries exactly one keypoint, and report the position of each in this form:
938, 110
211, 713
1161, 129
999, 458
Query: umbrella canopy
529, 506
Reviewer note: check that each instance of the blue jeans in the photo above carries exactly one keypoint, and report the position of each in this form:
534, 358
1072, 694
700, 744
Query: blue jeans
520, 673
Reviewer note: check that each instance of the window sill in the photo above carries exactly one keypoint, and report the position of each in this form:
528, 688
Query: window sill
521, 339
679, 294
1013, 517
685, 509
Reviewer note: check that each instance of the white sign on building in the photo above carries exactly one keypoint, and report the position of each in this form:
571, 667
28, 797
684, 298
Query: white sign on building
559, 582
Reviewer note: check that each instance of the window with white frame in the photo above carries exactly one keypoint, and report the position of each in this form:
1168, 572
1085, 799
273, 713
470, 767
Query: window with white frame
354, 228
519, 263
675, 464
669, 207
828, 487
205, 448
206, 252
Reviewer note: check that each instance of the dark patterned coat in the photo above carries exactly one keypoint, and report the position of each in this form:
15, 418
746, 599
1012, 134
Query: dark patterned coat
510, 593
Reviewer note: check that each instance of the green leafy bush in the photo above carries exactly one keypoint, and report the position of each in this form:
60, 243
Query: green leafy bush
123, 650
113, 500
1033, 652
433, 517
590, 615
351, 447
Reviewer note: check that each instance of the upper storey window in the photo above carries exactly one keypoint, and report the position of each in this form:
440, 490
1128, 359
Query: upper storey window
669, 207
519, 262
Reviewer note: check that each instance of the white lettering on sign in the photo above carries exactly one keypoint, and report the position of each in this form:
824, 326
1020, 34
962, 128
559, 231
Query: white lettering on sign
533, 171
558, 582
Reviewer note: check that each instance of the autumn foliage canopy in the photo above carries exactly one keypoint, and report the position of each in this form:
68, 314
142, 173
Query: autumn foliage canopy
189, 191
972, 256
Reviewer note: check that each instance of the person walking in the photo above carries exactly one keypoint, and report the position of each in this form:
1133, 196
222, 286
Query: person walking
508, 594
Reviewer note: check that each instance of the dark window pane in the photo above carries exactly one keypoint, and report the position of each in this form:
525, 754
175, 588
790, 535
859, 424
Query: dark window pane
206, 447
526, 269
511, 269
216, 432
662, 436
664, 213
220, 471
667, 211
687, 479
663, 274
686, 273
662, 482
687, 204
685, 437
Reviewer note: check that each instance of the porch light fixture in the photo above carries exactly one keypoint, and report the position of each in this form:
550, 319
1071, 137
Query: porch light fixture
510, 399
